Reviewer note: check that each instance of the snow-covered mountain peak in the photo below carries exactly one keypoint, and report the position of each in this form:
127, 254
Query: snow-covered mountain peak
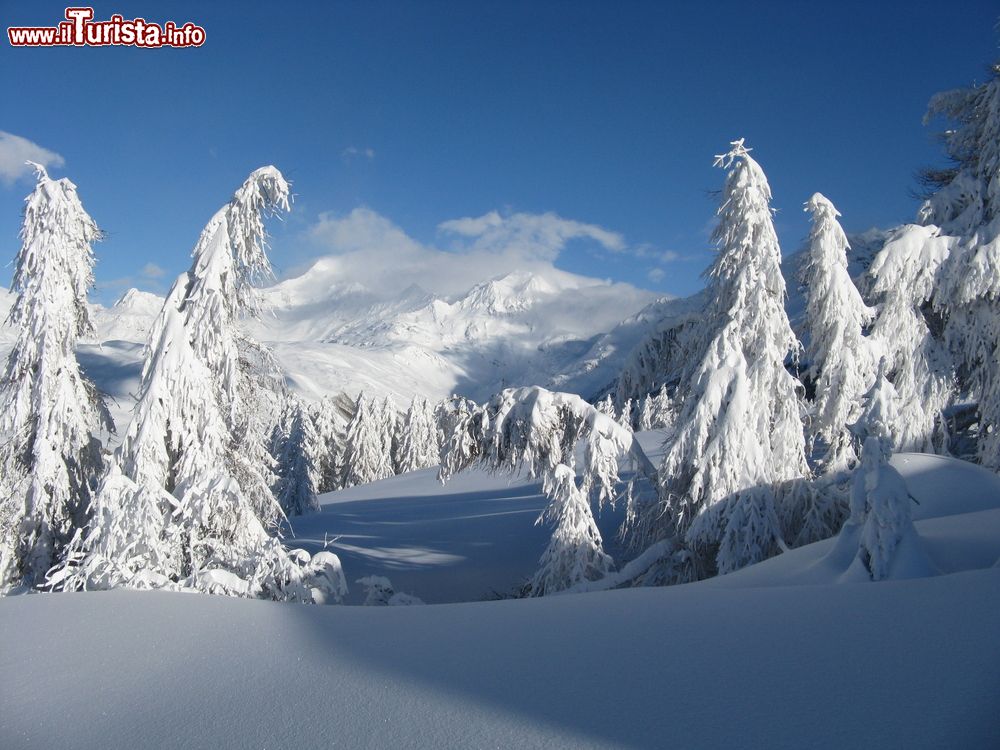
137, 301
514, 292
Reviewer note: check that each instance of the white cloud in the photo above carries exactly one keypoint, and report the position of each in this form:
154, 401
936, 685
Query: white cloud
15, 151
469, 227
541, 236
352, 152
660, 256
656, 274
152, 271
366, 249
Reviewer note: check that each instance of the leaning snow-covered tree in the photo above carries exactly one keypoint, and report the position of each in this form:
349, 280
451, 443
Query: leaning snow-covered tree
49, 412
904, 274
296, 451
181, 511
839, 356
736, 464
966, 206
541, 433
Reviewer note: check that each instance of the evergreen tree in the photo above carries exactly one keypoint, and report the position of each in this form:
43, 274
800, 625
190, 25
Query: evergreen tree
297, 452
737, 459
387, 421
366, 455
542, 433
918, 363
606, 406
966, 207
185, 510
418, 442
625, 415
840, 360
663, 411
880, 502
646, 414
49, 412
330, 446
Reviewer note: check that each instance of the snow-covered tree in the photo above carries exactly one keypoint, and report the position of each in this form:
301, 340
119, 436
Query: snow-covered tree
330, 446
735, 465
186, 509
625, 415
880, 501
919, 365
663, 409
418, 441
646, 414
839, 356
541, 433
366, 447
453, 415
606, 406
379, 592
966, 207
297, 455
50, 459
385, 415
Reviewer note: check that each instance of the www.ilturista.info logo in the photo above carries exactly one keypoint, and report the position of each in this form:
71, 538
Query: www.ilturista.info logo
79, 30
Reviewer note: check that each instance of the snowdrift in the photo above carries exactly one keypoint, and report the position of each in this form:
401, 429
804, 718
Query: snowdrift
907, 664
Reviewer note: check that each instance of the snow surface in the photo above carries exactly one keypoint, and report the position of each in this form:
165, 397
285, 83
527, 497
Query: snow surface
786, 653
897, 664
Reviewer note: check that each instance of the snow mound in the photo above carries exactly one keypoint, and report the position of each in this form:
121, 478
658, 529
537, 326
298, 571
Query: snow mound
887, 665
945, 486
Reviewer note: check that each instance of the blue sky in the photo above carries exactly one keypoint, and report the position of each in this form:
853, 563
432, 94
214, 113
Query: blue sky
407, 116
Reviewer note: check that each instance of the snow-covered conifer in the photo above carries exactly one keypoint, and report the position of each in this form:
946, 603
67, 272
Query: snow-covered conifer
737, 459
918, 363
967, 207
541, 433
366, 449
330, 444
386, 416
625, 415
297, 462
663, 409
880, 501
606, 406
418, 442
49, 412
455, 417
839, 356
186, 510
646, 414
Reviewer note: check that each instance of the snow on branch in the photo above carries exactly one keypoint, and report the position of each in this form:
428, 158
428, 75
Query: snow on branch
551, 435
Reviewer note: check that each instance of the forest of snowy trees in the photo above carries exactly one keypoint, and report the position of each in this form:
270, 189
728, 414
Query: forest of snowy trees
774, 437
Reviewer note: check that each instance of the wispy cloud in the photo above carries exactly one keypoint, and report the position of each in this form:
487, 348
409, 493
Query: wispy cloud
648, 252
152, 271
541, 236
353, 152
15, 151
